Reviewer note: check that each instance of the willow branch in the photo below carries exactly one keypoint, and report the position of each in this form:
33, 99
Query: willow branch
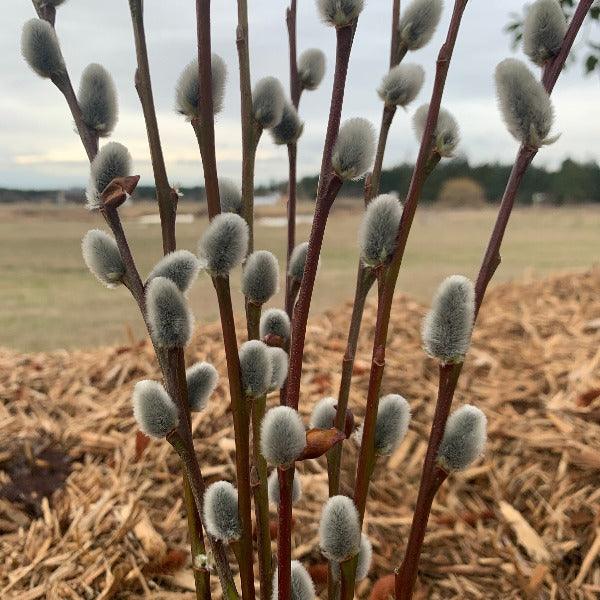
284, 533
329, 186
166, 196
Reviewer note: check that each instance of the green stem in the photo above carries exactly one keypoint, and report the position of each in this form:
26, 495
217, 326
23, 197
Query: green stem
364, 282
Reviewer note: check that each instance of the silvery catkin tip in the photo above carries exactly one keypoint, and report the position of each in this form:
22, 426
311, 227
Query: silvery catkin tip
378, 231
113, 160
187, 94
180, 266
283, 437
268, 101
41, 49
256, 368
230, 196
261, 276
298, 261
339, 529
289, 128
153, 409
202, 379
224, 243
464, 439
524, 103
401, 85
544, 30
354, 149
102, 257
323, 414
448, 325
393, 418
302, 584
446, 135
311, 68
275, 322
170, 319
274, 488
339, 13
97, 99
419, 21
221, 514
279, 364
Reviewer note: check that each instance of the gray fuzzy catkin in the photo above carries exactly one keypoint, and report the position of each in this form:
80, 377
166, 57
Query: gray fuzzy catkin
446, 135
170, 319
221, 515
544, 30
260, 279
339, 13
268, 101
354, 149
102, 257
153, 409
256, 368
464, 439
289, 128
279, 364
41, 49
298, 261
180, 266
339, 529
401, 85
54, 3
224, 243
302, 585
419, 21
365, 556
448, 325
113, 160
230, 196
524, 103
283, 437
273, 487
379, 228
97, 99
202, 379
275, 322
187, 92
393, 417
323, 414
311, 68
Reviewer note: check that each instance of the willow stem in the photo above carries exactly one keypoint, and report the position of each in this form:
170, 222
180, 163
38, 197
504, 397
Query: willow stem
261, 502
364, 282
284, 533
387, 118
329, 186
291, 217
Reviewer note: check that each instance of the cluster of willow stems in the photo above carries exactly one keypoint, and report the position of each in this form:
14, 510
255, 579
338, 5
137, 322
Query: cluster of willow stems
252, 478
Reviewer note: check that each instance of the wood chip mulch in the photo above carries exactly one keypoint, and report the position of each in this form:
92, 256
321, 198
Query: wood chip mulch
83, 516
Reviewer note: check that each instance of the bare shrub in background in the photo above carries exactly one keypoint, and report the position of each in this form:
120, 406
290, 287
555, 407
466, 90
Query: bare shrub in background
269, 363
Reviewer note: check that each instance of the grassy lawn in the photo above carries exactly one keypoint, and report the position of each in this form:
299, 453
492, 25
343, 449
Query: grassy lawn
48, 299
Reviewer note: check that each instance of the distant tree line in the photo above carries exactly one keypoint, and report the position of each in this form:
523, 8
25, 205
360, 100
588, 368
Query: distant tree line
573, 182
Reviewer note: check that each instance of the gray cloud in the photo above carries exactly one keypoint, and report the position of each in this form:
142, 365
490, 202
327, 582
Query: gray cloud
38, 147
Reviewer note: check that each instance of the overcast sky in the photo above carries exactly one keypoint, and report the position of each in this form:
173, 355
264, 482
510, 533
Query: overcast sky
38, 147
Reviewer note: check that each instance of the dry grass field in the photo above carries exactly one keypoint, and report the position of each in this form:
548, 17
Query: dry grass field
48, 299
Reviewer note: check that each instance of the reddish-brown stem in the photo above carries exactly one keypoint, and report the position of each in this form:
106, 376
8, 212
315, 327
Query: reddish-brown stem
45, 11
206, 119
431, 479
290, 19
329, 186
165, 195
395, 37
387, 280
387, 118
284, 533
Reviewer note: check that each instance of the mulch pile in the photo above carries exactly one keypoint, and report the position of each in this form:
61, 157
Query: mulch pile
81, 516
